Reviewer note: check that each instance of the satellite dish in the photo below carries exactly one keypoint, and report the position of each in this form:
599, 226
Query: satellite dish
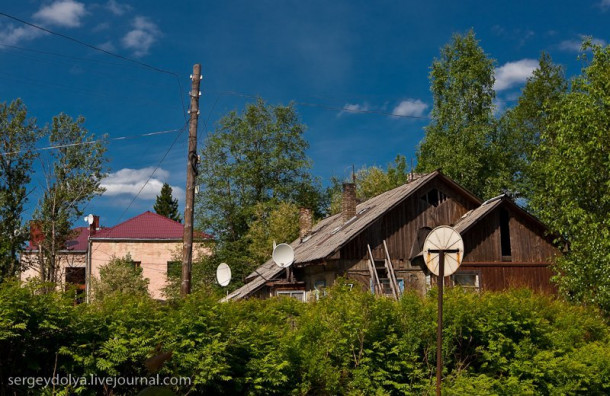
283, 255
223, 274
89, 219
443, 238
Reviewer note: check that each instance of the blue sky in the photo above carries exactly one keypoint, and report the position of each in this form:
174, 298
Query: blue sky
369, 57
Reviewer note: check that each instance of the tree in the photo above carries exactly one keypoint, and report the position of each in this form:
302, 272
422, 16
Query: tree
254, 157
166, 205
120, 275
73, 174
458, 137
520, 128
371, 182
573, 185
19, 135
273, 221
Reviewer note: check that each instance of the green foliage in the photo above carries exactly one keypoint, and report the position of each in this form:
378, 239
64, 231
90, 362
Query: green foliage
73, 174
119, 275
371, 182
572, 189
349, 342
18, 137
521, 127
166, 205
459, 138
255, 157
272, 222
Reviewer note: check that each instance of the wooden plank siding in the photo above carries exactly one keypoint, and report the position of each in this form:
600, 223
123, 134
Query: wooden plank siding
399, 226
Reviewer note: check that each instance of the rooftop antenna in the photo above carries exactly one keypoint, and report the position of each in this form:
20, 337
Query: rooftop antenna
89, 219
443, 253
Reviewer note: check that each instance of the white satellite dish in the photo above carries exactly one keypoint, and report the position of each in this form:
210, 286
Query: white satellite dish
283, 255
223, 274
89, 219
443, 238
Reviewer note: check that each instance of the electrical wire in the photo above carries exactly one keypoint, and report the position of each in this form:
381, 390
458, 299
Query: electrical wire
327, 107
110, 53
97, 141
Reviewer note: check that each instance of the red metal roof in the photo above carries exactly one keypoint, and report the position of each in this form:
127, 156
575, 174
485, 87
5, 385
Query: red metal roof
148, 225
79, 242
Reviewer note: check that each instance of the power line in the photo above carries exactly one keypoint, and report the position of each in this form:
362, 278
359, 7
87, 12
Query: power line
135, 61
97, 141
328, 107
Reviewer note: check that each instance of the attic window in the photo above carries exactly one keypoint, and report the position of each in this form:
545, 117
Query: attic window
505, 234
434, 197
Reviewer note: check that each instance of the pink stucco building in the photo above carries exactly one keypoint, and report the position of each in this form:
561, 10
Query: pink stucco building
153, 242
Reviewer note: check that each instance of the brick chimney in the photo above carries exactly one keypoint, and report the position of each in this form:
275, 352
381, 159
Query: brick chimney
348, 206
305, 222
93, 227
36, 235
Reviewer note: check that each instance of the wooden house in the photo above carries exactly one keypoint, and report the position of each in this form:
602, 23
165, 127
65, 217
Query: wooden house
504, 245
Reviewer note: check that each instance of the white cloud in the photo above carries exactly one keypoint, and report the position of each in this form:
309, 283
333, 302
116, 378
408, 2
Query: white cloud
410, 108
142, 36
604, 4
116, 8
13, 35
107, 46
574, 45
67, 13
514, 73
354, 108
130, 181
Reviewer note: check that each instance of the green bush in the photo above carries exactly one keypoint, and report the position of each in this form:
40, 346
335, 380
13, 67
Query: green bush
348, 342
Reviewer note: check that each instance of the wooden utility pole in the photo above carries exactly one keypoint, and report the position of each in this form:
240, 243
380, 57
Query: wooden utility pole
191, 175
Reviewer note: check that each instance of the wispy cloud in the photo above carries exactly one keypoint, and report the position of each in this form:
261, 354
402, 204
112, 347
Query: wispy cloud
604, 4
574, 45
142, 36
117, 8
130, 181
66, 13
354, 108
410, 108
12, 35
514, 73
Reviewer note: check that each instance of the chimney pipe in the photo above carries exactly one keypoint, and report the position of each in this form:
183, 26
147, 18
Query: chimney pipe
349, 201
305, 222
93, 227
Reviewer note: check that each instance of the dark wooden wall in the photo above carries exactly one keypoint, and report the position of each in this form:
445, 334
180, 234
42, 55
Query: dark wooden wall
400, 225
531, 253
527, 240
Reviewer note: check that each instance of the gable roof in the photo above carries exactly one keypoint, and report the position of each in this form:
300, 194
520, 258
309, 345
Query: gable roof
331, 234
148, 225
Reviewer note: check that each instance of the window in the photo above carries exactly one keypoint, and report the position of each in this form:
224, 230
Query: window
319, 288
466, 280
136, 264
296, 294
505, 234
174, 269
434, 197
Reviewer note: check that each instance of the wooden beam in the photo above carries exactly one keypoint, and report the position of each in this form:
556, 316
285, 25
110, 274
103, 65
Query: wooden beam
391, 274
377, 285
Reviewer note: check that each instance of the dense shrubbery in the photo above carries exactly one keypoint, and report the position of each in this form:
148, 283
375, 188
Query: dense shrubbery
349, 342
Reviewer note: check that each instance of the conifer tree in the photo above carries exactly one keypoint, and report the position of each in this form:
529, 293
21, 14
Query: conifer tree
166, 205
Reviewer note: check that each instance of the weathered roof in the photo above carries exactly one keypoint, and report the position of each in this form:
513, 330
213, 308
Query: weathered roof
148, 225
331, 234
472, 217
